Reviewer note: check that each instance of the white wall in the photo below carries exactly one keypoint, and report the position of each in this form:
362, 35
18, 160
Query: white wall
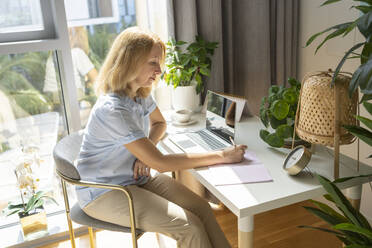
312, 20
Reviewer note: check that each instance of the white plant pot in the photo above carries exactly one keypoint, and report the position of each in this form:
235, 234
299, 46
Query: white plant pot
185, 97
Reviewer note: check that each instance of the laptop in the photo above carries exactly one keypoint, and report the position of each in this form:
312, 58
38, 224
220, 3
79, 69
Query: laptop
219, 127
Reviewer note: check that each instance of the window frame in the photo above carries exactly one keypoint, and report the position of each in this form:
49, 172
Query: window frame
47, 32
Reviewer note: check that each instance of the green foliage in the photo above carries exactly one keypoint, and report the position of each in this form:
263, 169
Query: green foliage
362, 77
278, 110
351, 227
184, 66
31, 101
99, 43
37, 200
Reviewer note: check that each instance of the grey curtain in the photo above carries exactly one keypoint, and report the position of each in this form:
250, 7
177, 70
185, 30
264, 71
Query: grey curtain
258, 42
257, 47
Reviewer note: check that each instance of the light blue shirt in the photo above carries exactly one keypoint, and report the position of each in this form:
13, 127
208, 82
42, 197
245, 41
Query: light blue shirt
114, 121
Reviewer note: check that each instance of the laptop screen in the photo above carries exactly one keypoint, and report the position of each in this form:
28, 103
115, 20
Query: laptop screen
220, 116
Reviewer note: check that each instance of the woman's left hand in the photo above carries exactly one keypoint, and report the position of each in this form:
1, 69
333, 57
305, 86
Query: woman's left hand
140, 169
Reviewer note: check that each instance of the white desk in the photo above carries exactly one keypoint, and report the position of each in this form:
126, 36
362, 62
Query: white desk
246, 200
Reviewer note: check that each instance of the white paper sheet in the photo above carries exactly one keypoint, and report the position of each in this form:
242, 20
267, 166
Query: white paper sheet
250, 170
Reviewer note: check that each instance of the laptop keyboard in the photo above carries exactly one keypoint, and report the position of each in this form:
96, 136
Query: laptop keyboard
205, 140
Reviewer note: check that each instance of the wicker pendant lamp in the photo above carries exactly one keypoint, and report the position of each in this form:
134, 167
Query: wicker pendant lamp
323, 109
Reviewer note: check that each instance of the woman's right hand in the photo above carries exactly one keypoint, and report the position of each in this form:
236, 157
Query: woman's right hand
233, 154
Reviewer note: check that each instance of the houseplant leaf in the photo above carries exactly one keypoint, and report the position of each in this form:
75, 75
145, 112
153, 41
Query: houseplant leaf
339, 66
274, 140
263, 134
361, 133
323, 215
340, 200
329, 2
365, 121
365, 25
338, 26
353, 228
330, 211
334, 34
280, 109
368, 107
284, 131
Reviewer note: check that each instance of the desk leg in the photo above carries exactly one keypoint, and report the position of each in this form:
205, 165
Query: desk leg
245, 234
354, 194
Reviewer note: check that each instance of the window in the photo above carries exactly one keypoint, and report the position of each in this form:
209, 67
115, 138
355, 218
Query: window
91, 43
31, 114
26, 20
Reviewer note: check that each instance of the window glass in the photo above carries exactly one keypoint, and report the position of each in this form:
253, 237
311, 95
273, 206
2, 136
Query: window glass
20, 15
31, 117
90, 45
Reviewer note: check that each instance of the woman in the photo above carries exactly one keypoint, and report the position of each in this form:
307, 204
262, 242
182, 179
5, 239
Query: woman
119, 148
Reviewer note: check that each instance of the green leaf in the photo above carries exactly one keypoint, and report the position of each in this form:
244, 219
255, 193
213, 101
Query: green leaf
274, 140
353, 228
366, 97
338, 26
290, 96
330, 211
284, 131
273, 89
341, 202
364, 1
362, 8
329, 2
205, 71
365, 121
368, 107
264, 117
323, 215
351, 27
328, 197
365, 24
344, 59
31, 202
263, 134
357, 246
332, 35
360, 132
354, 83
13, 206
280, 109
344, 179
322, 229
275, 123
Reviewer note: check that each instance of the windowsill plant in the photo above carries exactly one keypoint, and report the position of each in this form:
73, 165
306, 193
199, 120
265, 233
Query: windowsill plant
30, 211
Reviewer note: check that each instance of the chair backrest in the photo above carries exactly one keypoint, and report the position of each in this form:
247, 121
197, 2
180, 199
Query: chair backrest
65, 152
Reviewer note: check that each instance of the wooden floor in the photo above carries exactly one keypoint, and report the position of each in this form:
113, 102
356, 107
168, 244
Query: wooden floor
274, 229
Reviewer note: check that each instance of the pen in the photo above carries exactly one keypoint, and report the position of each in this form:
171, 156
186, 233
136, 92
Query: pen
232, 142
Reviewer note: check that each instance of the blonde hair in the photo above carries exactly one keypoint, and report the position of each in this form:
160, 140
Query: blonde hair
79, 38
123, 62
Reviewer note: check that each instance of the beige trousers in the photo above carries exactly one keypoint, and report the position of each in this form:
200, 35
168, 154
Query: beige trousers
165, 206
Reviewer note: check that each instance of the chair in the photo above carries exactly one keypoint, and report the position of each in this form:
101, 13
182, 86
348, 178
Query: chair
65, 152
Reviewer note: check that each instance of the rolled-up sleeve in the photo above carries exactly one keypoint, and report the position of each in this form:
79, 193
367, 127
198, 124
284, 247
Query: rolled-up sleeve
122, 127
150, 105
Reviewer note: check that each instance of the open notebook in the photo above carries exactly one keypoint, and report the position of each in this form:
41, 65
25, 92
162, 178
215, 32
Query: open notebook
250, 170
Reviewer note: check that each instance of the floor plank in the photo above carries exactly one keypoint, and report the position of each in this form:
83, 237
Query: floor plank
277, 228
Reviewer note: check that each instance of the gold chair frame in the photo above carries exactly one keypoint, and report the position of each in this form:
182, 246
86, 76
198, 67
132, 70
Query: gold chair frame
65, 179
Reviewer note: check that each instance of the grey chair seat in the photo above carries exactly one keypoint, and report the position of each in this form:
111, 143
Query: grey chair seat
80, 217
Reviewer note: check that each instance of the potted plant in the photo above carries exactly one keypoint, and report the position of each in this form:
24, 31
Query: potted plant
349, 225
277, 112
31, 212
184, 70
362, 77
